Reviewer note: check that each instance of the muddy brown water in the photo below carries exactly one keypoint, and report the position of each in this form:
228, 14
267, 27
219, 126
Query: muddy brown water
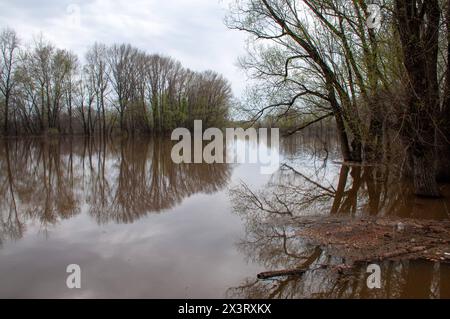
140, 226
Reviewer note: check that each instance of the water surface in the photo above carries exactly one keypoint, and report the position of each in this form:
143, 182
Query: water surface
141, 226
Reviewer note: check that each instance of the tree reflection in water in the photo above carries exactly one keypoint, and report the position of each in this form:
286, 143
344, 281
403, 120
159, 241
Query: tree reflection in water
49, 180
322, 188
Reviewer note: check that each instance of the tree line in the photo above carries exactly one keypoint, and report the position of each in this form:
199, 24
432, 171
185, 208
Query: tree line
386, 86
117, 88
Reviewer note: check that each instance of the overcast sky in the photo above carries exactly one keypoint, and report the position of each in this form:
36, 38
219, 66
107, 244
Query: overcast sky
191, 31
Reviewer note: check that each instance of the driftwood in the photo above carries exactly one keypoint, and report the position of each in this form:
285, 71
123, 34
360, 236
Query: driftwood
401, 252
281, 273
360, 240
299, 271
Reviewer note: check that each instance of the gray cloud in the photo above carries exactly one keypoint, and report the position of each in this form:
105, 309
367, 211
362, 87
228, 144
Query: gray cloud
191, 31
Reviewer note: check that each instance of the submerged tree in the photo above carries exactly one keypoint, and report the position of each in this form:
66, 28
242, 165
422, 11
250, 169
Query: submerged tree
323, 60
418, 26
319, 59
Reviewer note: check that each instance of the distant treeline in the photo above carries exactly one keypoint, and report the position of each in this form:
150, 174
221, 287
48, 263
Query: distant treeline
117, 88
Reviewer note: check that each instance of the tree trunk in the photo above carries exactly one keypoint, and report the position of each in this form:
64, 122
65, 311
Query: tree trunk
343, 138
340, 124
373, 148
103, 115
6, 114
70, 114
121, 121
443, 135
425, 175
419, 29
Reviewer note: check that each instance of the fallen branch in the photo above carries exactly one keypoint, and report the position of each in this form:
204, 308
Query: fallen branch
401, 252
282, 273
300, 271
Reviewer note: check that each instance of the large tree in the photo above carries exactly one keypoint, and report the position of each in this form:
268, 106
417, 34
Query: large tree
418, 26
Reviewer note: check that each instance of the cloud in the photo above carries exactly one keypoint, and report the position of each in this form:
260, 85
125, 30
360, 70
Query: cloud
191, 31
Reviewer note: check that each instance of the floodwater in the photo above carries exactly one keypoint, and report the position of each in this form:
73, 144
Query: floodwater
140, 226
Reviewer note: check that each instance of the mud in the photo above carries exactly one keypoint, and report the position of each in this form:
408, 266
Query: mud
365, 240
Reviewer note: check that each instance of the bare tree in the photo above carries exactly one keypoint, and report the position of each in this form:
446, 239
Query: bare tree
9, 44
55, 94
120, 58
98, 69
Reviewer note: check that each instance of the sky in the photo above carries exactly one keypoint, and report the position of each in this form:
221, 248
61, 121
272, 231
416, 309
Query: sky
191, 31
